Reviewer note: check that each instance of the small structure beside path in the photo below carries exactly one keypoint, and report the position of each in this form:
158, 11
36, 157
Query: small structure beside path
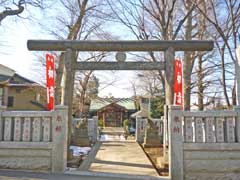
152, 137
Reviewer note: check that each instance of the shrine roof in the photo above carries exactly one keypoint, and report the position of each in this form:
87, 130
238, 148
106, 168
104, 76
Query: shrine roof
99, 103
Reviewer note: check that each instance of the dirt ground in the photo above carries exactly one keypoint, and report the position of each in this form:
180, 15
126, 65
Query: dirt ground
153, 153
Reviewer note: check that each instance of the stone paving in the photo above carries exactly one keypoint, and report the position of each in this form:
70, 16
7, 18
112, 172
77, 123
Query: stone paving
122, 157
20, 175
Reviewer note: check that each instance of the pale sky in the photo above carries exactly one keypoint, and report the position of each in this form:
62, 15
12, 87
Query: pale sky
14, 54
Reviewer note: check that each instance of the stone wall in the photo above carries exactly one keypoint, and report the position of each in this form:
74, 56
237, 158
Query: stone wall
25, 156
204, 144
33, 140
218, 161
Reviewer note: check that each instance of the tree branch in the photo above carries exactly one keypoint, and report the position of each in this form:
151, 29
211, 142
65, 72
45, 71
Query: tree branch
11, 12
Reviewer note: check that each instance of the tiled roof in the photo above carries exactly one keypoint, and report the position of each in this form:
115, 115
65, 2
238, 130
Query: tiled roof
4, 79
9, 76
17, 79
99, 103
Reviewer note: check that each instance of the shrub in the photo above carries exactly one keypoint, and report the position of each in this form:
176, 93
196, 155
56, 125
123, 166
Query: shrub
125, 126
100, 123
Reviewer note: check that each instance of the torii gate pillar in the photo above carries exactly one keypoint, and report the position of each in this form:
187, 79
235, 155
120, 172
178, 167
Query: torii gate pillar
169, 55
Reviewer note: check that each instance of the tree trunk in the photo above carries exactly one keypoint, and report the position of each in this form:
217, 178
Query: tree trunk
58, 80
200, 83
83, 94
188, 61
234, 96
201, 34
224, 78
72, 35
169, 55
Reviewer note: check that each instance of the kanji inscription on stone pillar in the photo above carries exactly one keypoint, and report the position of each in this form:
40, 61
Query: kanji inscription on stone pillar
198, 129
7, 129
219, 129
209, 129
36, 135
17, 129
46, 129
230, 123
26, 129
188, 129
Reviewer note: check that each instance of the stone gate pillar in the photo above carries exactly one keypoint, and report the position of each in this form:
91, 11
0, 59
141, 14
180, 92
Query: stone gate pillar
59, 135
175, 143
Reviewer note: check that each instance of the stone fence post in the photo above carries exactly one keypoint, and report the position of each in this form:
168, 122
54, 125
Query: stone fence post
59, 139
95, 128
165, 133
2, 108
237, 109
138, 130
175, 143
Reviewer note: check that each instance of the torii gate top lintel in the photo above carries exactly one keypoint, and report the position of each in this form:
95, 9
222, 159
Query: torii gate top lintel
119, 45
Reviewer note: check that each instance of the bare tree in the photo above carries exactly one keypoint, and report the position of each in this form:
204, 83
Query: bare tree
153, 19
83, 85
149, 83
16, 8
224, 17
188, 56
75, 20
205, 80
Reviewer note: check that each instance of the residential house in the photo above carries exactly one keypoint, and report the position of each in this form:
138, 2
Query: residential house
20, 93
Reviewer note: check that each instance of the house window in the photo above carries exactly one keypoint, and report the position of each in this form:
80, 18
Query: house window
10, 101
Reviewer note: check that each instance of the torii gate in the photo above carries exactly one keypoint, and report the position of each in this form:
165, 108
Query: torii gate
169, 48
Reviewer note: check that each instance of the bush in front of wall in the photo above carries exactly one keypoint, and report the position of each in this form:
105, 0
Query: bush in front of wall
100, 123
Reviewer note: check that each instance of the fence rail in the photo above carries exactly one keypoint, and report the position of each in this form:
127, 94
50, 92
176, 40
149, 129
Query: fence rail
210, 127
26, 126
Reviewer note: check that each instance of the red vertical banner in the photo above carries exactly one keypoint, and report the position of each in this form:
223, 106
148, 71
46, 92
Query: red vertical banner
50, 81
178, 95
